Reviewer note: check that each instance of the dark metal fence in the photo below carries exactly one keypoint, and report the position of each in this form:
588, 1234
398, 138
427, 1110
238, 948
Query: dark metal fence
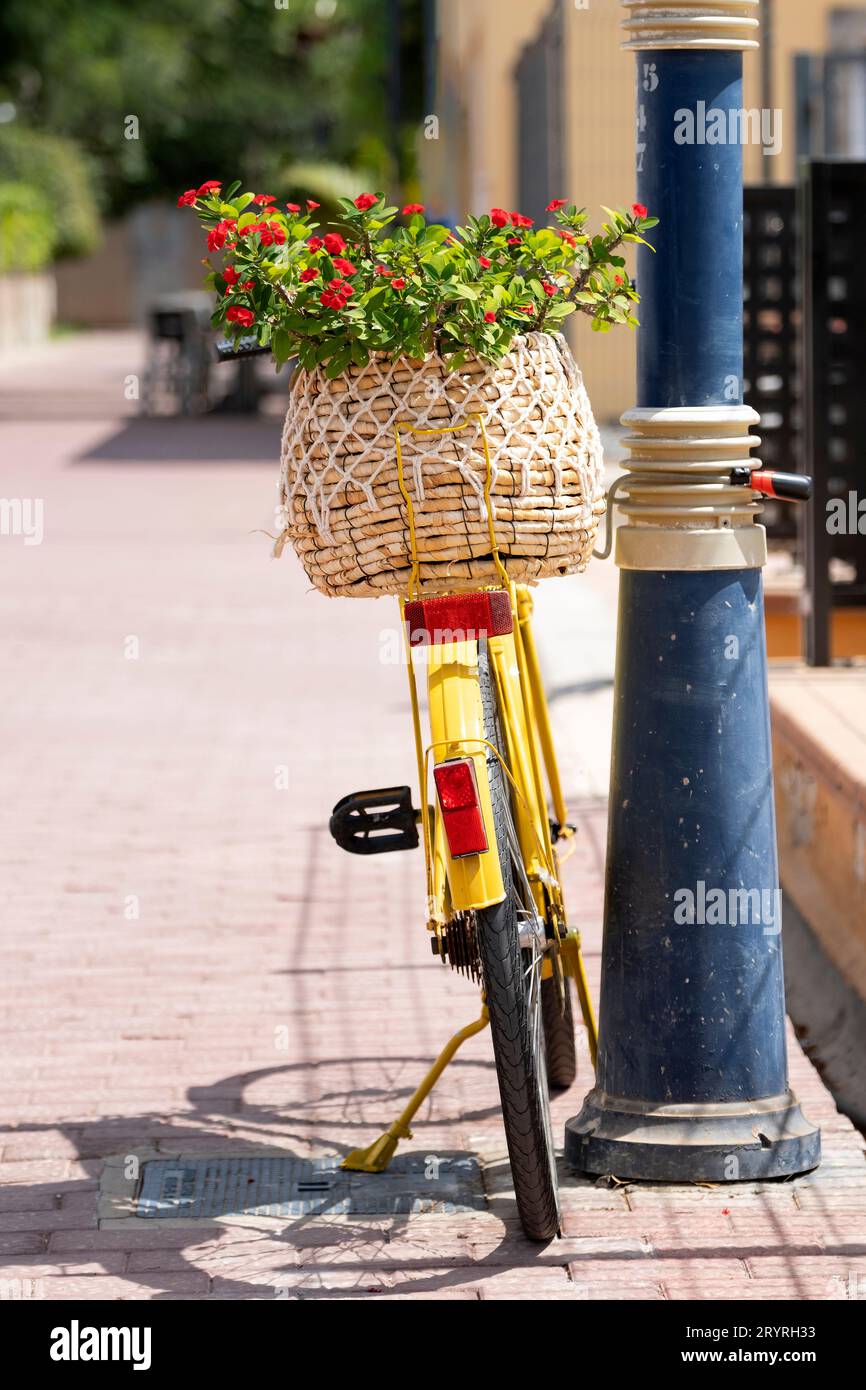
805, 370
771, 347
833, 214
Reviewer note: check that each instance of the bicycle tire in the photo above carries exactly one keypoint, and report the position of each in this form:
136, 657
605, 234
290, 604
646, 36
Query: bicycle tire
559, 1041
520, 1066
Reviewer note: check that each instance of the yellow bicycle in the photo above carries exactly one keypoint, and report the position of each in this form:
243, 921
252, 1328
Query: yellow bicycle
495, 903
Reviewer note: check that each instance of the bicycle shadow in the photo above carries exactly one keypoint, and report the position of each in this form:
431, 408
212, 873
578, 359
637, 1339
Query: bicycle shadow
354, 1249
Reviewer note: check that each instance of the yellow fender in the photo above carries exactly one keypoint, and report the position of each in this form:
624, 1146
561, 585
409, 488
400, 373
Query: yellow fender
457, 730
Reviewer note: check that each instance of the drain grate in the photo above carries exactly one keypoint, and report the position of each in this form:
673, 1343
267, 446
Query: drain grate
211, 1187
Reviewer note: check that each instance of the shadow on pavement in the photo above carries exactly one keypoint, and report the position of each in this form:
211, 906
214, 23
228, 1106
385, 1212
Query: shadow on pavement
356, 1247
203, 439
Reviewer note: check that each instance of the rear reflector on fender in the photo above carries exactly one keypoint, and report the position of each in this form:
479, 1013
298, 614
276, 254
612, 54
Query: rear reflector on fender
460, 807
459, 617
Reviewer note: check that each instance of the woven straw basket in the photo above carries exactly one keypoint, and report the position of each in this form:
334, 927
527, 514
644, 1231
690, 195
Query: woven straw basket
340, 501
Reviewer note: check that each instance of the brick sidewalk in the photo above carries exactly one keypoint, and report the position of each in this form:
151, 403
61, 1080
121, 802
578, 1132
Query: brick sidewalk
173, 917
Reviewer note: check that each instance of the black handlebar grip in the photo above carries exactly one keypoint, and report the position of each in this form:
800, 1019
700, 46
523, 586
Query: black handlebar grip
785, 487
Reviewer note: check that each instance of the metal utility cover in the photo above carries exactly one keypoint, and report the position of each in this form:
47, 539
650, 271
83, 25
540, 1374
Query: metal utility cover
219, 1187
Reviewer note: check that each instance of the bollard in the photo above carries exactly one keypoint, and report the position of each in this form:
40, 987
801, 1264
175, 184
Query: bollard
692, 1078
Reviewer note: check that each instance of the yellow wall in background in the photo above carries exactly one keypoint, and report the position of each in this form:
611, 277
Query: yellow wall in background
600, 120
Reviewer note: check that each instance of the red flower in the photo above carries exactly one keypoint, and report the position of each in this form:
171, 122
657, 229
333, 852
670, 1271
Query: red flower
618, 279
638, 209
383, 270
490, 317
549, 289
525, 308
337, 295
556, 204
210, 187
311, 273
263, 198
483, 261
520, 221
399, 283
568, 237
498, 216
293, 207
345, 267
230, 275
311, 206
245, 317
216, 237
271, 233
248, 285
334, 244
514, 241
314, 243
187, 199
410, 208
365, 201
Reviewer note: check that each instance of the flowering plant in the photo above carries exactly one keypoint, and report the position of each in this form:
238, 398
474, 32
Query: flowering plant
333, 298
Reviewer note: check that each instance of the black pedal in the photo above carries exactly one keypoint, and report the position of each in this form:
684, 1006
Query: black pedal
376, 822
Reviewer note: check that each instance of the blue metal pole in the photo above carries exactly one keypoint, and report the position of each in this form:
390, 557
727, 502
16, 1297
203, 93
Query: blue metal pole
692, 1075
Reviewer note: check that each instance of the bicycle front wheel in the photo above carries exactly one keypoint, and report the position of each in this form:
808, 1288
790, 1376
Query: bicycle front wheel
512, 982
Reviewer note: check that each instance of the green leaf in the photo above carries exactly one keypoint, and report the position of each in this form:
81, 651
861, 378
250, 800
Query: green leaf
339, 362
306, 356
282, 346
617, 218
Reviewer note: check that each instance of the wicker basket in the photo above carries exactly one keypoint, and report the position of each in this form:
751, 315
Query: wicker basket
340, 501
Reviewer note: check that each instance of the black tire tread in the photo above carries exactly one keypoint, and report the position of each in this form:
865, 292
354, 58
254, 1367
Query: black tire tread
502, 963
558, 1035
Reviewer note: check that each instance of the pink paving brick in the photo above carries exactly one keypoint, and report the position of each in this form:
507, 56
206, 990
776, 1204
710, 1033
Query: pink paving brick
267, 989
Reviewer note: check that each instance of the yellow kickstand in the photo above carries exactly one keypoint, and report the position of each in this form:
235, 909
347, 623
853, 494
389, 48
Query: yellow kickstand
376, 1158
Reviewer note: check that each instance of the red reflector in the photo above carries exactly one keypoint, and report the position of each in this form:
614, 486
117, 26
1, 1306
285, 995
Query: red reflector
455, 783
460, 806
763, 482
459, 617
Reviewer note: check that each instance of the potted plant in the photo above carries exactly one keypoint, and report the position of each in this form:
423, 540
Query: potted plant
401, 322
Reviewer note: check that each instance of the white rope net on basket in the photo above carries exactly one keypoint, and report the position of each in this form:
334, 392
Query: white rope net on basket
340, 503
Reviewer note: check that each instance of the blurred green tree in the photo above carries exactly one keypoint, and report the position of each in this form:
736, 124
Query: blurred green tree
168, 94
59, 178
27, 238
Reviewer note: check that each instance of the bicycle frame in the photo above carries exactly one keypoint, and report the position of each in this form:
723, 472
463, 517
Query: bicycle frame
457, 731
474, 882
